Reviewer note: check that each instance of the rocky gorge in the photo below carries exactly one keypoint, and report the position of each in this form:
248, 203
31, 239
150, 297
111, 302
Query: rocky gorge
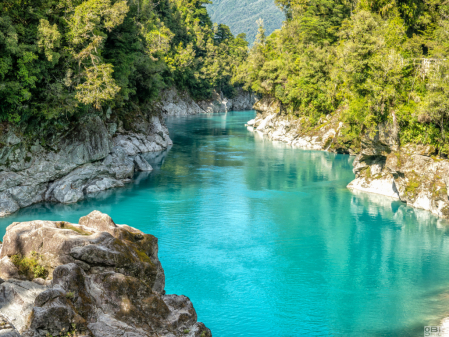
411, 173
94, 278
96, 153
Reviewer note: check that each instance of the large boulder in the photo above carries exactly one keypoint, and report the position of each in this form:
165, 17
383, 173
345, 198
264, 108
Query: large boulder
95, 278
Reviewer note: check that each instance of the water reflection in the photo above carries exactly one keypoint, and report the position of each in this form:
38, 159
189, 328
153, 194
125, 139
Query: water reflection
101, 200
267, 240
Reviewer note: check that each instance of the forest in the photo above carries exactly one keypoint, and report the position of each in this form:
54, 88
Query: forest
241, 16
371, 61
61, 59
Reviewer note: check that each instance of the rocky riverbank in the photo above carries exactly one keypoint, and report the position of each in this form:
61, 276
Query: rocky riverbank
410, 173
280, 127
94, 279
96, 153
175, 103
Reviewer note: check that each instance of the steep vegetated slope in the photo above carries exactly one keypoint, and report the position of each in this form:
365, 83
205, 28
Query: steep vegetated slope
241, 15
368, 77
83, 85
72, 57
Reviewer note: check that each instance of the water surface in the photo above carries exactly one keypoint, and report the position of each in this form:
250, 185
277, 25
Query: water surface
267, 241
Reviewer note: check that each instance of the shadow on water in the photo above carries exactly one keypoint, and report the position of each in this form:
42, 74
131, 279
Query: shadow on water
101, 200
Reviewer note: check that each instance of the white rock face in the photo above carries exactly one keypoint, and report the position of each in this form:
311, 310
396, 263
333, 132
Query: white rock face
20, 297
174, 103
279, 127
384, 187
410, 173
219, 103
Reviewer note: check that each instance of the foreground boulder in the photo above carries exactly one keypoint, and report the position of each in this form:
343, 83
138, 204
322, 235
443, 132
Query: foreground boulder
94, 278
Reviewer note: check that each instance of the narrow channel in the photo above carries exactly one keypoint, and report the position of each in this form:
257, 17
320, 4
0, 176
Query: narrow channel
267, 241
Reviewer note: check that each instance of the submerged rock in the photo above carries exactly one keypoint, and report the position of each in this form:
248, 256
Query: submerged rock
94, 278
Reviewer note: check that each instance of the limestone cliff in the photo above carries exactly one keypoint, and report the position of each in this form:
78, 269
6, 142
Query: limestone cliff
410, 173
96, 153
280, 127
94, 279
176, 103
219, 103
93, 155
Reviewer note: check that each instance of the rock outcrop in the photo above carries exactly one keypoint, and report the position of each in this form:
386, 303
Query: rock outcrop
219, 103
409, 173
175, 103
94, 279
277, 126
94, 155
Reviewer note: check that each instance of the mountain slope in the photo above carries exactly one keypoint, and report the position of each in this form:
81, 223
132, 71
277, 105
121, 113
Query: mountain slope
241, 15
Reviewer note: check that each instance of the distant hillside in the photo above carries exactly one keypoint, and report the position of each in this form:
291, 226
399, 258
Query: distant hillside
241, 15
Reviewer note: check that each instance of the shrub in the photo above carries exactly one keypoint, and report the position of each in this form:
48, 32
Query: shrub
29, 266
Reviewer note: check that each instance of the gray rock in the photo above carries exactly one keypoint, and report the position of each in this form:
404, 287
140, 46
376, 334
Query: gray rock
215, 104
17, 301
89, 142
117, 290
70, 189
142, 164
7, 329
28, 195
12, 138
9, 333
8, 269
175, 103
103, 184
242, 101
112, 128
7, 204
119, 165
94, 155
9, 179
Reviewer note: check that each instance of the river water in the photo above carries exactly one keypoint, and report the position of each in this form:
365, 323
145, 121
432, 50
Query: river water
267, 241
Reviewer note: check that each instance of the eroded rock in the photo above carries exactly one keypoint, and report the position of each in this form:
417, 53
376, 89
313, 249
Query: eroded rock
91, 157
277, 126
103, 279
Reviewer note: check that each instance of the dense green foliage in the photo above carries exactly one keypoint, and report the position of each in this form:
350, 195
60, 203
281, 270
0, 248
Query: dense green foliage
370, 59
241, 15
60, 58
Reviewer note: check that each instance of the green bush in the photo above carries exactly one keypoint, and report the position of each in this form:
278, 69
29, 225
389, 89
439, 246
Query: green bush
29, 266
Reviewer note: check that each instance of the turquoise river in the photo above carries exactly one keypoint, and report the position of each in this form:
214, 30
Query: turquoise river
267, 241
